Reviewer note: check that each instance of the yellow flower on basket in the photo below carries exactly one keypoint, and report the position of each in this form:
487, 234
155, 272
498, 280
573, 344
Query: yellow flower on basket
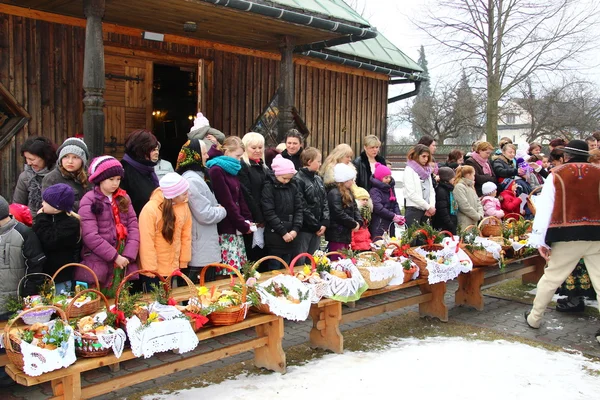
202, 290
306, 270
153, 317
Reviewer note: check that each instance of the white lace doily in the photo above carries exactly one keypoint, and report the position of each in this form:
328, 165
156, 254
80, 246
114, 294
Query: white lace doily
398, 278
114, 340
175, 332
38, 361
283, 307
348, 289
458, 262
490, 246
378, 273
320, 288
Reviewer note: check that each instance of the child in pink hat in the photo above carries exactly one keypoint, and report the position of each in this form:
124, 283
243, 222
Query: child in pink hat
386, 211
282, 209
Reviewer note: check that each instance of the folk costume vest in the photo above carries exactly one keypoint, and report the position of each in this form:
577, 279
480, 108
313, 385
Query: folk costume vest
576, 213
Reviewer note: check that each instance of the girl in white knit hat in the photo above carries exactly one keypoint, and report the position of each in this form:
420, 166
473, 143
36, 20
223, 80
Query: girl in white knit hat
166, 228
344, 214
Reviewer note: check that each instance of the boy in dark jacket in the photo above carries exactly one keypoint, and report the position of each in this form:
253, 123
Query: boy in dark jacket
314, 202
445, 206
282, 209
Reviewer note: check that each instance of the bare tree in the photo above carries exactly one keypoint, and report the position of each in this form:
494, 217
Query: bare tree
507, 41
570, 109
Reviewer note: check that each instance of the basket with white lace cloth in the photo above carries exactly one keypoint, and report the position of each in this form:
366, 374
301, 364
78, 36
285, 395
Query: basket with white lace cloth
345, 281
446, 263
311, 278
482, 251
30, 357
286, 296
376, 273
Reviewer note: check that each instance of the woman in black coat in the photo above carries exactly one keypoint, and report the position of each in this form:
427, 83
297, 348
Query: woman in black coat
480, 161
445, 208
365, 163
139, 180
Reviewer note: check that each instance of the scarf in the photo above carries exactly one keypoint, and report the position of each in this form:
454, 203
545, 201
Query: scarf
423, 172
229, 164
484, 164
117, 273
189, 157
34, 189
142, 168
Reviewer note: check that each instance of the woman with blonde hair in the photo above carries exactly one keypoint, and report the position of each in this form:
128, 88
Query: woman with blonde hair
480, 161
252, 177
341, 154
470, 210
365, 163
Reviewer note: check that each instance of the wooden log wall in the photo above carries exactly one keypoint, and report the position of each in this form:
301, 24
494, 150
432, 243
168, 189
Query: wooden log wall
41, 63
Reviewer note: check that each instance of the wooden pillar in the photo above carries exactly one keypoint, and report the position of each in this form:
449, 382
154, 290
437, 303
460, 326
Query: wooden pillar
93, 77
286, 87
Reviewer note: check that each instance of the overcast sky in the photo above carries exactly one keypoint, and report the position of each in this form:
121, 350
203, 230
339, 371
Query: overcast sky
396, 20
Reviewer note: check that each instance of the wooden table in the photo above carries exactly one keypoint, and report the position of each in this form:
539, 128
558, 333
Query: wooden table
470, 283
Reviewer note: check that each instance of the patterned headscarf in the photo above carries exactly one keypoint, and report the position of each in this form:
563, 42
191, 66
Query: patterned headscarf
190, 156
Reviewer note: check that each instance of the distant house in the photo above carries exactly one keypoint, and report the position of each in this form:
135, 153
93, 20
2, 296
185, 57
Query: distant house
514, 122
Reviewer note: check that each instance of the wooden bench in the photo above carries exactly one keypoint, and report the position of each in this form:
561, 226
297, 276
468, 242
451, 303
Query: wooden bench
469, 284
327, 314
267, 346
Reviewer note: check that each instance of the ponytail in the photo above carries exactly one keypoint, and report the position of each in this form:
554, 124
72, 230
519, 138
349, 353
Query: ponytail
168, 218
347, 198
463, 170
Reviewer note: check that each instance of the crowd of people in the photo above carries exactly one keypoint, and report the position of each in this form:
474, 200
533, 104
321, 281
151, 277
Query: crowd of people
230, 200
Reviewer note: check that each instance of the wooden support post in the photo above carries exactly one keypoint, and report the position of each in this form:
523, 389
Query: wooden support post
272, 355
68, 387
286, 87
436, 307
93, 77
325, 333
469, 289
534, 277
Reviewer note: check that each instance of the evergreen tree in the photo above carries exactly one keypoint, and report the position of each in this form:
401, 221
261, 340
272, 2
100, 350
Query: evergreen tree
422, 108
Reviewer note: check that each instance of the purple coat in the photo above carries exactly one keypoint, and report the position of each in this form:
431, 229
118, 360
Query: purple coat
229, 194
384, 209
99, 235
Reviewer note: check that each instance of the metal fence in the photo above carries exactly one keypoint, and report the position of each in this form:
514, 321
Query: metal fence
442, 149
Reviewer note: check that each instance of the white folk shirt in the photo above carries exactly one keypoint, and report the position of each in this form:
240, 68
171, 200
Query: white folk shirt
544, 206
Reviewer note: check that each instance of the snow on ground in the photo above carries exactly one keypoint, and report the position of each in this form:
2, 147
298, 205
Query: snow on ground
448, 368
588, 302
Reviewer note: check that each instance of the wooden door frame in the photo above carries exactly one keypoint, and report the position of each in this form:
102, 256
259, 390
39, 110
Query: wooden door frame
151, 58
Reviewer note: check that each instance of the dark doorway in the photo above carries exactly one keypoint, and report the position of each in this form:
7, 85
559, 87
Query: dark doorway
175, 103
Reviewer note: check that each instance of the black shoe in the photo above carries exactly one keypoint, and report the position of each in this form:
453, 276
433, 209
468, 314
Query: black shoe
527, 322
562, 300
569, 306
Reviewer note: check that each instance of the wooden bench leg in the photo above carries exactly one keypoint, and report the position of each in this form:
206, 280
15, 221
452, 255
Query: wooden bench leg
68, 387
271, 356
534, 277
325, 333
436, 307
469, 289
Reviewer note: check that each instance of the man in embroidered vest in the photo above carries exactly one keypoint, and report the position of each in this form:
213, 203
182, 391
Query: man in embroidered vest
567, 225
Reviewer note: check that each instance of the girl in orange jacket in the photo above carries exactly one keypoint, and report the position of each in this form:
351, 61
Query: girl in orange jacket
166, 229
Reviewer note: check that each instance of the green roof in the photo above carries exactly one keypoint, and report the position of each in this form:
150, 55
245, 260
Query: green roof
378, 49
335, 9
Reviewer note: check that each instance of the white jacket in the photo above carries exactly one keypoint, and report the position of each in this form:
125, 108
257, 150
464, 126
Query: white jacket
413, 192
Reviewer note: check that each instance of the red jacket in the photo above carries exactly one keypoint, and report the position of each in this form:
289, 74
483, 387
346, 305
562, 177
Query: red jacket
361, 239
510, 203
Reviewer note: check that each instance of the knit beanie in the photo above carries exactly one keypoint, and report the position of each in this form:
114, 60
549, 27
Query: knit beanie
488, 188
104, 167
22, 213
360, 193
4, 209
60, 196
446, 174
282, 166
381, 171
343, 173
173, 184
75, 146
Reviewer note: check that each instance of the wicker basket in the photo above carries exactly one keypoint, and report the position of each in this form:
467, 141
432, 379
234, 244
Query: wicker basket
12, 343
86, 344
41, 315
143, 316
480, 258
530, 200
230, 315
490, 227
366, 274
88, 308
193, 293
419, 260
264, 308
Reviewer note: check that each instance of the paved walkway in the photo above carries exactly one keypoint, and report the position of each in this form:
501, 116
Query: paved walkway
505, 316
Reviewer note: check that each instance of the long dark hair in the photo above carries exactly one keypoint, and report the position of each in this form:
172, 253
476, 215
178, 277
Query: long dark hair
168, 218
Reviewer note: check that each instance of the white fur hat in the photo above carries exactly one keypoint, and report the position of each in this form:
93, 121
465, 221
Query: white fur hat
343, 172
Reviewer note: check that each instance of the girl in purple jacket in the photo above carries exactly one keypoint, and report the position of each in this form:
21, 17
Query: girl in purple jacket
223, 170
111, 238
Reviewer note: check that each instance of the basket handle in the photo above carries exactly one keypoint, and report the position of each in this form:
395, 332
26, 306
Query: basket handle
77, 295
10, 323
534, 191
227, 267
313, 264
36, 273
369, 254
256, 264
141, 271
472, 228
88, 269
496, 220
188, 281
335, 253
